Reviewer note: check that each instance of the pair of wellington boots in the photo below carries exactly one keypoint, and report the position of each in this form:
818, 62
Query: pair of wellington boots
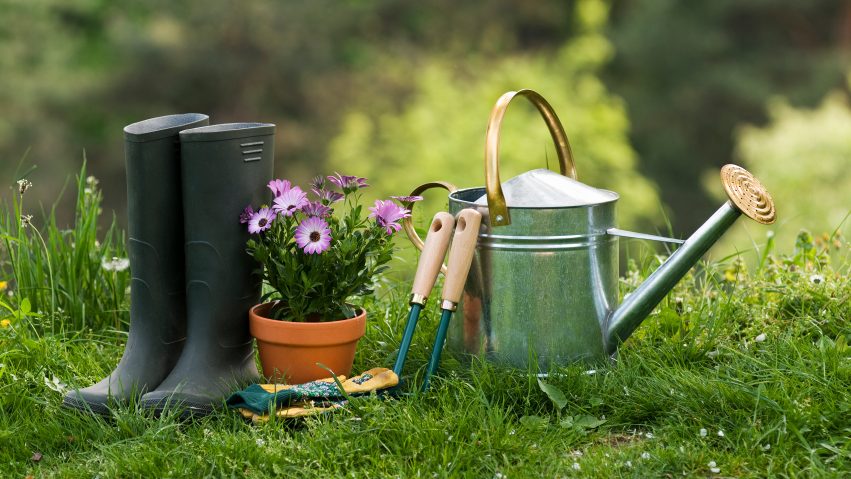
192, 281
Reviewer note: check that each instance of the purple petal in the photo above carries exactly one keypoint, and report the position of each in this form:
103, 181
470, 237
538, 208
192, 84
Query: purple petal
290, 202
318, 183
261, 221
246, 214
279, 187
328, 196
348, 183
313, 235
316, 208
387, 211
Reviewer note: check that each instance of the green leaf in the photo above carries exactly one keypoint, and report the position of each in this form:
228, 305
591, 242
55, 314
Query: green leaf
26, 307
554, 393
348, 311
588, 422
535, 423
567, 422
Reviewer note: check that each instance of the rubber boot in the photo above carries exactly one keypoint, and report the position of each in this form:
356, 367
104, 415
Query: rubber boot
225, 169
155, 248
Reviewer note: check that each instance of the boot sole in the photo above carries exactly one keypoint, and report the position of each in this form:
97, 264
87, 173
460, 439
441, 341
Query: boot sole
98, 409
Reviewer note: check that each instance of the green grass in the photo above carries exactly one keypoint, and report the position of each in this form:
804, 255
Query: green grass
60, 270
696, 364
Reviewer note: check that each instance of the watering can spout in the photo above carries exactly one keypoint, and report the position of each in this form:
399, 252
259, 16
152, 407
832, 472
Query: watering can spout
746, 195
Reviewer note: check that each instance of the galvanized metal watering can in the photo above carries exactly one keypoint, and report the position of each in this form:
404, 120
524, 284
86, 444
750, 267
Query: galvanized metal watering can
544, 279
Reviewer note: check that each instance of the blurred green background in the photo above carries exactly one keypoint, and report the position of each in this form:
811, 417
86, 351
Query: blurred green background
655, 95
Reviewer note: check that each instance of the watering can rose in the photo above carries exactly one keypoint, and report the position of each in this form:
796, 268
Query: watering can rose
319, 250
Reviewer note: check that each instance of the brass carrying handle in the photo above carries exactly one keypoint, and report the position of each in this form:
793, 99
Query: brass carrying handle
497, 208
407, 223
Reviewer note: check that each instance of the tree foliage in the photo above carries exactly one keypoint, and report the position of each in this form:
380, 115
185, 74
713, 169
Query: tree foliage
74, 72
438, 134
691, 72
803, 157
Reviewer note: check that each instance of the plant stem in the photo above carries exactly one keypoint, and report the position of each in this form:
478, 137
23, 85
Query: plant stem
46, 257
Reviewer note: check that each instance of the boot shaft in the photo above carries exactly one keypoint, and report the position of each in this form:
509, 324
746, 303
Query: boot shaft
224, 169
152, 157
155, 219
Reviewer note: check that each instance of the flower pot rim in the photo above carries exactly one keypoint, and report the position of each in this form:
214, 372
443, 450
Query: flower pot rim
255, 312
273, 331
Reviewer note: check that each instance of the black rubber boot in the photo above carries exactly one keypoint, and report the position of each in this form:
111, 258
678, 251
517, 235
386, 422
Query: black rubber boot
155, 247
225, 169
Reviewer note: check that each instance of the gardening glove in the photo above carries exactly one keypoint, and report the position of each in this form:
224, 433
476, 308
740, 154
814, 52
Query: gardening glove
298, 409
258, 398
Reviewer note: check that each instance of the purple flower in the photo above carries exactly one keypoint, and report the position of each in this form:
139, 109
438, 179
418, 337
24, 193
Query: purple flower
315, 208
328, 197
246, 215
261, 221
387, 215
279, 187
317, 183
347, 183
407, 199
313, 235
290, 201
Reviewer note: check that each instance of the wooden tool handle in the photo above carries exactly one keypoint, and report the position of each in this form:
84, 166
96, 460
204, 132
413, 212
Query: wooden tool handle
461, 256
408, 223
434, 250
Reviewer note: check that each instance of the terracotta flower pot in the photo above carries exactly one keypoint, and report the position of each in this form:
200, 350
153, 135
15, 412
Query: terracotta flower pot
289, 351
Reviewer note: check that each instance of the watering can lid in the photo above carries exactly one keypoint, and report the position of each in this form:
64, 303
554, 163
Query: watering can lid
543, 188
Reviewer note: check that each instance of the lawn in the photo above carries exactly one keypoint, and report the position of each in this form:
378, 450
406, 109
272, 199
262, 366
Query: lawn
740, 372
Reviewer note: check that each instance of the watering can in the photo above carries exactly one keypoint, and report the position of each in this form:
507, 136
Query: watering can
543, 286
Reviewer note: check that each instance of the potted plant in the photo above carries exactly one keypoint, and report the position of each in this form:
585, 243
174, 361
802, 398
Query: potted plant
319, 252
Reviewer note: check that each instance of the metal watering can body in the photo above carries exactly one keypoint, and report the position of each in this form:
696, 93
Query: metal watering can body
543, 286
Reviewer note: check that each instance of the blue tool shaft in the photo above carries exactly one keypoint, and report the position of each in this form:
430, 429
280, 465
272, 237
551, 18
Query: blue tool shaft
438, 346
410, 326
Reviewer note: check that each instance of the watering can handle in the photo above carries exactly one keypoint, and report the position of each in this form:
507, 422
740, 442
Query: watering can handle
407, 222
497, 208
